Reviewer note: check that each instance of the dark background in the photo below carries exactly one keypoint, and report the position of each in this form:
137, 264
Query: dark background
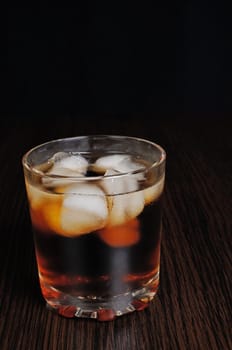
117, 59
160, 73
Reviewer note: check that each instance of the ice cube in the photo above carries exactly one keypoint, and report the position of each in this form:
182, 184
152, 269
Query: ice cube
64, 165
58, 156
121, 236
125, 202
153, 192
108, 162
119, 162
63, 172
125, 207
128, 165
72, 162
117, 183
84, 209
57, 177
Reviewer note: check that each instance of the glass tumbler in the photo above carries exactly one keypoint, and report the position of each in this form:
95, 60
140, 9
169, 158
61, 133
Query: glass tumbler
95, 207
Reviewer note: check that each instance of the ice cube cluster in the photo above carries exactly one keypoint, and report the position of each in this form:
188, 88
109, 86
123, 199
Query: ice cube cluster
79, 207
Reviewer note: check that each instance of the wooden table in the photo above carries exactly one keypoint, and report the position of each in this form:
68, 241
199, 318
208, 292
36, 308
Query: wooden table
192, 308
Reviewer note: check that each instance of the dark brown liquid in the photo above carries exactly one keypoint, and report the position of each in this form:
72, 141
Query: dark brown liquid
86, 265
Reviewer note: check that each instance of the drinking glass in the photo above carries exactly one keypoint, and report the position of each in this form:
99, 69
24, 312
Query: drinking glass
95, 205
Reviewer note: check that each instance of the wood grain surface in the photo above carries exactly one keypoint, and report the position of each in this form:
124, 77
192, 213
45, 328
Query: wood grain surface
192, 309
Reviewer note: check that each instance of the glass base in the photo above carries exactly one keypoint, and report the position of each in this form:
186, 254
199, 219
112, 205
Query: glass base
101, 309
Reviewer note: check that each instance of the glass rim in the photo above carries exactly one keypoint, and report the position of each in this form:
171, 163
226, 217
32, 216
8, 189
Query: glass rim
36, 171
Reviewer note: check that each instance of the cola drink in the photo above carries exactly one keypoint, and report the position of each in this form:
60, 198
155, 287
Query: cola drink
96, 219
